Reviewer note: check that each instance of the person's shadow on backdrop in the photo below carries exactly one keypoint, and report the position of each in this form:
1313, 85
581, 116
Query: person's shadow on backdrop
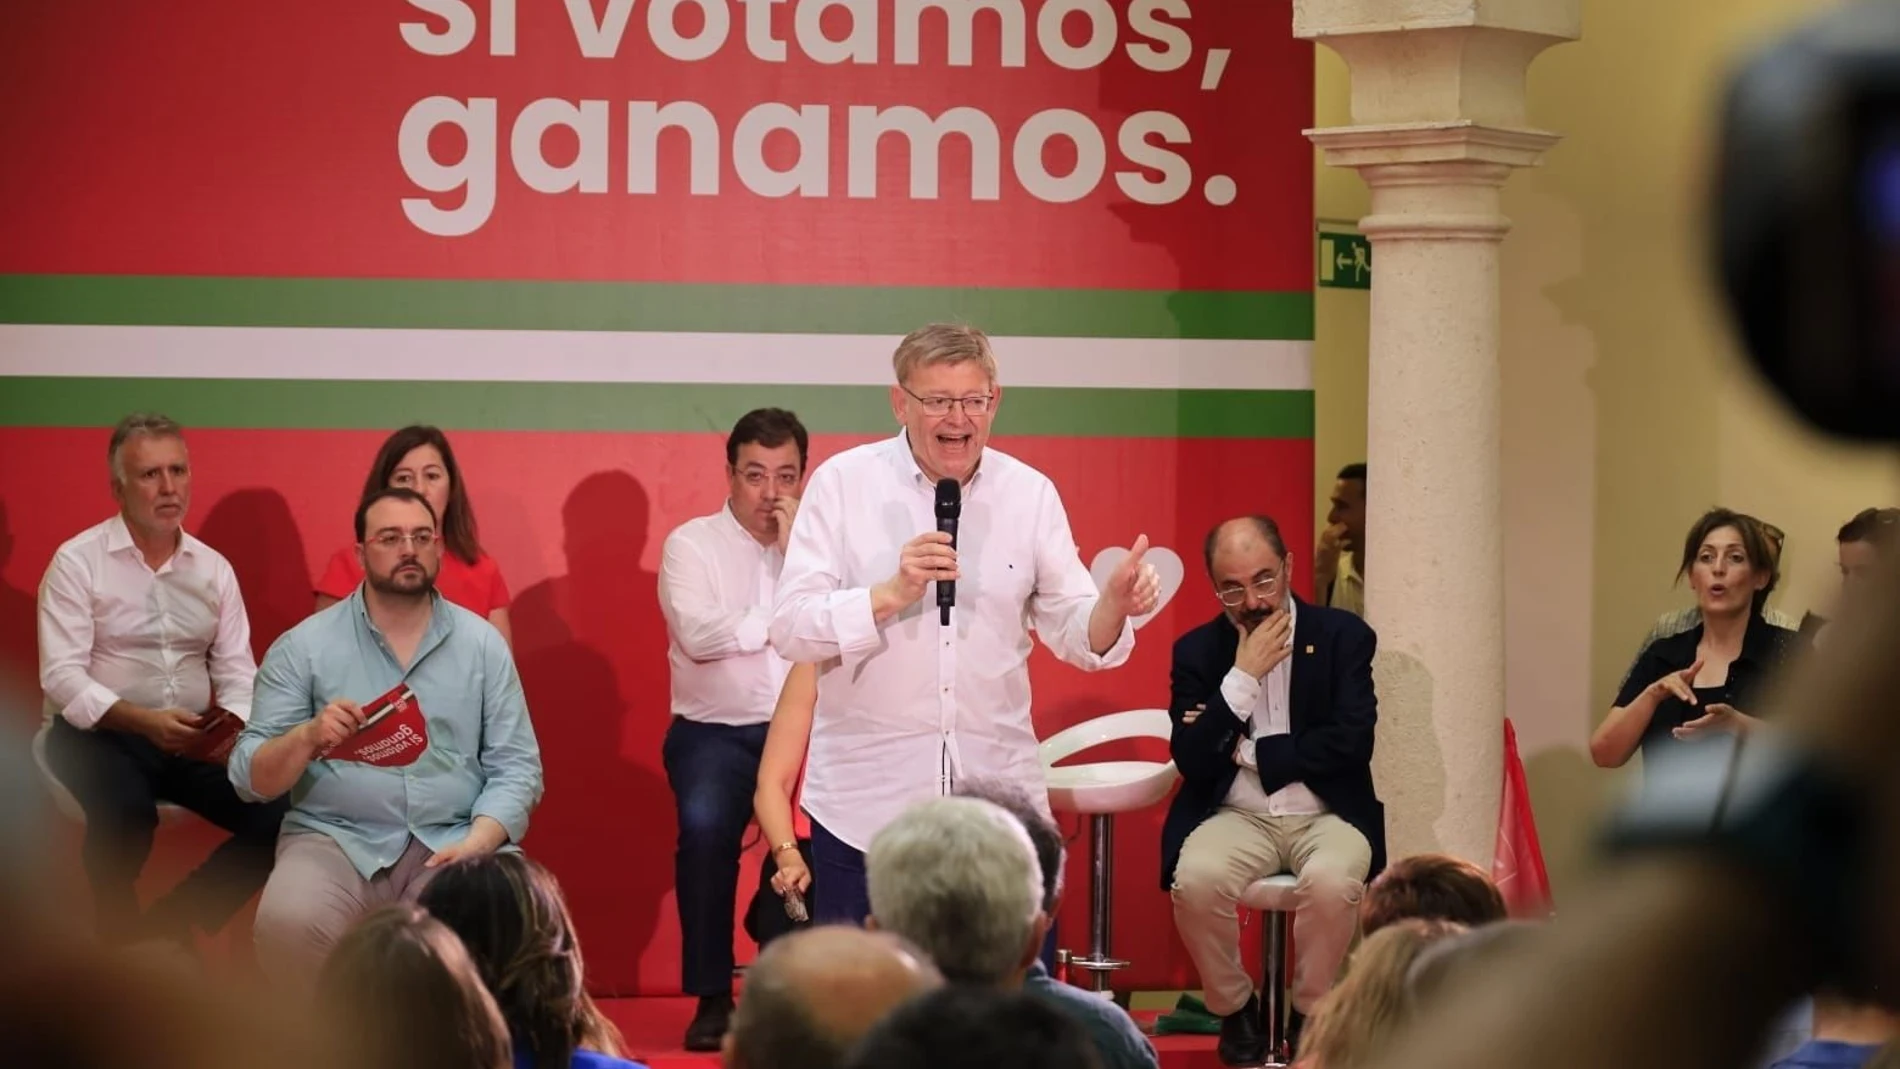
256, 532
591, 649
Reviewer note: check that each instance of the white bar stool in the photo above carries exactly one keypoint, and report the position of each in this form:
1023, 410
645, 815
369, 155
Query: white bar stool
1274, 898
1101, 790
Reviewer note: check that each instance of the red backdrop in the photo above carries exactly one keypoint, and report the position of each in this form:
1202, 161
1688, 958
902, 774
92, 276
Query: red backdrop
576, 521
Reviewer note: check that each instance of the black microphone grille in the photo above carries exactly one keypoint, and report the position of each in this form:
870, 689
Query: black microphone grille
949, 497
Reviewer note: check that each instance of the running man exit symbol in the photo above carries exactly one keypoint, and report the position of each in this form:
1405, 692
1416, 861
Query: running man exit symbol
1345, 261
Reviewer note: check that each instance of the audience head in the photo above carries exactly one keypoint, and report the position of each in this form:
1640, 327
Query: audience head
1354, 1021
765, 462
1862, 541
1051, 853
946, 397
1733, 562
1843, 1018
75, 1005
812, 994
400, 992
419, 458
398, 542
151, 474
1447, 964
1249, 566
975, 1028
1349, 506
1430, 887
959, 878
510, 914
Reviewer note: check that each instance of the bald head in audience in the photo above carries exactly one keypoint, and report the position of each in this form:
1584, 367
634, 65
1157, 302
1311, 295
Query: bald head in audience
812, 994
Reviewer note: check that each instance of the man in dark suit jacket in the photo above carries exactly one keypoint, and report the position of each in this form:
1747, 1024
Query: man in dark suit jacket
1273, 711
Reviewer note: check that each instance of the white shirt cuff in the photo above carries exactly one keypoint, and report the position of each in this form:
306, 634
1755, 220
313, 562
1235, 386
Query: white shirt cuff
854, 623
85, 711
750, 635
1244, 755
1242, 692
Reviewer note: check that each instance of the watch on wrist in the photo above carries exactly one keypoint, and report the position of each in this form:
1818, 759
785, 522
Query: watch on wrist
1775, 810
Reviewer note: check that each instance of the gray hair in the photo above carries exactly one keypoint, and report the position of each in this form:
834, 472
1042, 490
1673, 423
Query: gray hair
138, 425
1051, 851
942, 343
959, 878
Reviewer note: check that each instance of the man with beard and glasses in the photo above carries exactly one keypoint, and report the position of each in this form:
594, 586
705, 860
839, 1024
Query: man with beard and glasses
369, 823
1274, 713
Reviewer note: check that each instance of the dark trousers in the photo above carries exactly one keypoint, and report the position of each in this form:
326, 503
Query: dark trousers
713, 770
119, 779
837, 880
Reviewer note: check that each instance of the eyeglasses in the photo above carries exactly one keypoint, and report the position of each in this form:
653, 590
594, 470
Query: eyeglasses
940, 406
392, 539
755, 478
1235, 596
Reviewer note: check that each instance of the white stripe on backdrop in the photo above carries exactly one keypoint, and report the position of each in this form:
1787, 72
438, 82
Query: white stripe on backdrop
596, 356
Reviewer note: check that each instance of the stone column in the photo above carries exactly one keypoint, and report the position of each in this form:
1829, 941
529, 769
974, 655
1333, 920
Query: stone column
1438, 125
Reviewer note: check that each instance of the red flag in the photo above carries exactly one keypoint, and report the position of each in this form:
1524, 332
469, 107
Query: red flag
1518, 867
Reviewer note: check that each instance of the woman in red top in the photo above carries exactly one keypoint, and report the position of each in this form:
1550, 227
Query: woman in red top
419, 458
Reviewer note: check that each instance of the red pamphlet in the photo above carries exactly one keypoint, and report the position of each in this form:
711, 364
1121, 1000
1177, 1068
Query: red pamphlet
219, 733
393, 734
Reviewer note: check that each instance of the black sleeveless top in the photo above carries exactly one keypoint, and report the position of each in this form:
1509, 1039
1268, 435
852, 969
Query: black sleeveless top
1764, 649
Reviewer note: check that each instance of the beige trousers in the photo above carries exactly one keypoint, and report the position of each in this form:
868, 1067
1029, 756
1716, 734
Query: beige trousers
313, 896
1233, 848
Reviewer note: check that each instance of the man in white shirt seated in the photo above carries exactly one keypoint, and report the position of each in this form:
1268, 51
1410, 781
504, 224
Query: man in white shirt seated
142, 633
717, 577
908, 705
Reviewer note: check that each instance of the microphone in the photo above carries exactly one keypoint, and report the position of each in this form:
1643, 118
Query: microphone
949, 510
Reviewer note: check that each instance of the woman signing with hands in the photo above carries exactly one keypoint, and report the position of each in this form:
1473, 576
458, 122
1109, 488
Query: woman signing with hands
1697, 683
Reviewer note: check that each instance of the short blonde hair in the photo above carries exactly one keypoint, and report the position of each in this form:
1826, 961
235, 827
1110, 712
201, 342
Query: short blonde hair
942, 343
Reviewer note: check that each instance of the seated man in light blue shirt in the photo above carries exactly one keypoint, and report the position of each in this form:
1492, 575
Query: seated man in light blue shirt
361, 835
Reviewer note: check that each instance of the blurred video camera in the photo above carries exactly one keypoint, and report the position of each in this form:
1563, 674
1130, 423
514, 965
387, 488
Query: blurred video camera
1807, 223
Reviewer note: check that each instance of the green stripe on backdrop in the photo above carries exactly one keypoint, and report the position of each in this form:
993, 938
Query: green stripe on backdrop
489, 305
648, 407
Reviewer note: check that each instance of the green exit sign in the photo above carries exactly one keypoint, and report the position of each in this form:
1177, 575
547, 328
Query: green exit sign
1345, 261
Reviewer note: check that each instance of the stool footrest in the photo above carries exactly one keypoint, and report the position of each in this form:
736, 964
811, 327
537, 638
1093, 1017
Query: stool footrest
1094, 964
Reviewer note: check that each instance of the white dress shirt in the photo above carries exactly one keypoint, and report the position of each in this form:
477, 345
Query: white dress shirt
111, 628
909, 707
1268, 710
716, 589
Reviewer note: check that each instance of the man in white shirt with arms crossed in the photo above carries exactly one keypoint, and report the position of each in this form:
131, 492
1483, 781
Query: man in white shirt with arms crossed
142, 630
717, 577
907, 707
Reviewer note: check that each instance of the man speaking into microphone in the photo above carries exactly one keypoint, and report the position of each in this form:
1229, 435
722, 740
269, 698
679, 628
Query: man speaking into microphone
909, 705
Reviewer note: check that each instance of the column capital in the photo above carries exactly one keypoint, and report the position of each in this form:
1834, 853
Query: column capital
1458, 141
1435, 181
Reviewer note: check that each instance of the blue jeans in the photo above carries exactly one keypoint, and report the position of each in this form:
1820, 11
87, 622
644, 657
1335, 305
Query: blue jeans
713, 770
837, 880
